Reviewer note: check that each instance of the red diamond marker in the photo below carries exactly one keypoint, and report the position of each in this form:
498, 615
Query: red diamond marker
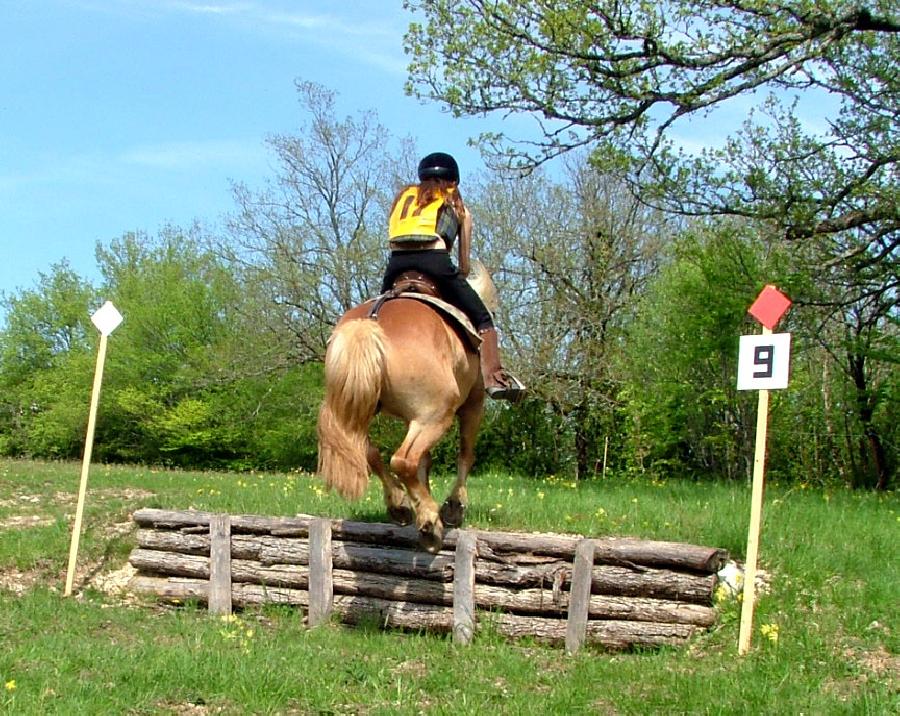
769, 306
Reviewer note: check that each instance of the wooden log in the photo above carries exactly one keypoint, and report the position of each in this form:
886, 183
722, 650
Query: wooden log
579, 596
321, 587
607, 579
351, 609
616, 551
182, 589
609, 634
487, 596
181, 519
464, 589
287, 550
686, 590
220, 565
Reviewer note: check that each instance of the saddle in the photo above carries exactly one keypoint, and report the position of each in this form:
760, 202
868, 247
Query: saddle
415, 282
419, 286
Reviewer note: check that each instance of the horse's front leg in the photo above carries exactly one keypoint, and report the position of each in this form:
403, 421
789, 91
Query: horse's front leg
398, 506
453, 511
410, 458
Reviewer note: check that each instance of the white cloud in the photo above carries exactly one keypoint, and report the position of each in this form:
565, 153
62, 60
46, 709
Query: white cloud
374, 42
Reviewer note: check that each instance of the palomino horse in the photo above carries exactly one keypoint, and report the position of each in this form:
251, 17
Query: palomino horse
415, 365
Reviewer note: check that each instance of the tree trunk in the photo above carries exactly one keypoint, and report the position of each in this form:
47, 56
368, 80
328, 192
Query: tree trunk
872, 455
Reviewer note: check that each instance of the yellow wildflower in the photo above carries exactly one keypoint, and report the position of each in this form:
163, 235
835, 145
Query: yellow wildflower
10, 685
770, 631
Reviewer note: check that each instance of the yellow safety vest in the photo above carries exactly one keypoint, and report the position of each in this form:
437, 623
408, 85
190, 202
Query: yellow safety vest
410, 222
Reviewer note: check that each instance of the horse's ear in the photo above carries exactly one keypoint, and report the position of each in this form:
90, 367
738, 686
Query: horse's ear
480, 280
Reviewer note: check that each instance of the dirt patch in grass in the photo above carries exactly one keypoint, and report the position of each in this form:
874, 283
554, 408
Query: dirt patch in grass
877, 663
18, 582
89, 572
21, 522
30, 501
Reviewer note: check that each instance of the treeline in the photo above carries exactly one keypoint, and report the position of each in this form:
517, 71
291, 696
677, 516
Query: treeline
623, 320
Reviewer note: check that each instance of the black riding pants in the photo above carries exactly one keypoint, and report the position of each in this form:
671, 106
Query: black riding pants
454, 288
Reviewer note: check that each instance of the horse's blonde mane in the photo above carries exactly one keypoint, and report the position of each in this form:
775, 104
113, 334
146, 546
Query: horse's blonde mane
480, 280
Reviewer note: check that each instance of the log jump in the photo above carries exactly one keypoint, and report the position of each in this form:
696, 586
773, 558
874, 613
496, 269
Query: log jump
613, 592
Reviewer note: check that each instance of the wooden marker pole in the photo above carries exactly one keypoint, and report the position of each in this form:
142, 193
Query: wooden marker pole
763, 365
756, 503
85, 465
106, 319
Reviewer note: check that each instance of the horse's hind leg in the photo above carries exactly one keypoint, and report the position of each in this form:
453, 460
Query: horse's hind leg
405, 463
453, 510
398, 506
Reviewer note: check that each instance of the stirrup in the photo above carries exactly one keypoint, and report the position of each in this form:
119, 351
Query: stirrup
513, 392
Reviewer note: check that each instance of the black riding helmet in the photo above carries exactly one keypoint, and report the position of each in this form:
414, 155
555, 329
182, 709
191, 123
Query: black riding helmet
439, 165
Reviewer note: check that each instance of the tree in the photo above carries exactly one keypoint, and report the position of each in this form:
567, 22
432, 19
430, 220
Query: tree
684, 414
572, 256
626, 77
816, 162
311, 244
172, 371
46, 360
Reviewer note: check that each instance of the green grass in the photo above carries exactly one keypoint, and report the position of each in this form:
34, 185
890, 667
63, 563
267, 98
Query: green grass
831, 556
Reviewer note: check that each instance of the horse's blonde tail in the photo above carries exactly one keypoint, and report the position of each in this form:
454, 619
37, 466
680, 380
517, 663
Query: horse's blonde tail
354, 365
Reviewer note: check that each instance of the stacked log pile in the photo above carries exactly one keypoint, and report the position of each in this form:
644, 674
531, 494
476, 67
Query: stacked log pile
633, 592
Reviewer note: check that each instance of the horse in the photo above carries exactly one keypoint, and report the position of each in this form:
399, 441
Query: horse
412, 363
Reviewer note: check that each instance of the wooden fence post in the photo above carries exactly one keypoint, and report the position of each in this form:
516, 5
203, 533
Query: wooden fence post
579, 596
464, 588
321, 586
220, 564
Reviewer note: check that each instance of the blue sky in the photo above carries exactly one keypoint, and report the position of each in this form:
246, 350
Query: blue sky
123, 115
126, 115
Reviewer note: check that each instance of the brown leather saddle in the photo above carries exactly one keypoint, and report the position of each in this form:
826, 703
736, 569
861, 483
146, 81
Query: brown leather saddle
415, 282
417, 285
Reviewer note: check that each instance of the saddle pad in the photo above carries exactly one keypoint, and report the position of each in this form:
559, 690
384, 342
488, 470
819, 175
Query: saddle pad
452, 312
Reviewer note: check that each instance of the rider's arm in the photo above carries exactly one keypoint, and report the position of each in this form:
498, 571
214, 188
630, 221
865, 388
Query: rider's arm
465, 242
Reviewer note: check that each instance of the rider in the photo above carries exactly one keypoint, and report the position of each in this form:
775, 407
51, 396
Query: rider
425, 220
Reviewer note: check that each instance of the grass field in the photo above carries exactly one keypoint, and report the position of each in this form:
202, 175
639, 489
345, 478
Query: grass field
825, 638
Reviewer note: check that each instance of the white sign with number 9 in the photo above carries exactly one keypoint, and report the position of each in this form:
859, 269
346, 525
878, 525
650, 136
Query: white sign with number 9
764, 362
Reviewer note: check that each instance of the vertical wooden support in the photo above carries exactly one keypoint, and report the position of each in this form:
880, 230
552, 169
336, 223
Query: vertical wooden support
579, 596
85, 466
464, 588
321, 586
745, 635
220, 564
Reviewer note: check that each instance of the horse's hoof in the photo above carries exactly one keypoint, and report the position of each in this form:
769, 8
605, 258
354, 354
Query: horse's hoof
453, 513
431, 537
401, 515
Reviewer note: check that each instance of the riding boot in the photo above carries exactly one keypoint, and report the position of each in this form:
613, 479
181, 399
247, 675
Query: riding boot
498, 382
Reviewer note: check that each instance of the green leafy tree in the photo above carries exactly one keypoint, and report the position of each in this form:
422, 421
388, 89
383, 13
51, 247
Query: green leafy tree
171, 360
685, 416
815, 162
833, 423
627, 77
46, 361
